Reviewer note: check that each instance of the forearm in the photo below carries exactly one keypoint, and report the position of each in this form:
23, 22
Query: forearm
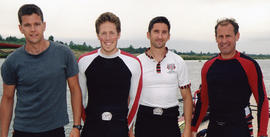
186, 95
76, 99
188, 111
131, 134
6, 109
76, 102
264, 117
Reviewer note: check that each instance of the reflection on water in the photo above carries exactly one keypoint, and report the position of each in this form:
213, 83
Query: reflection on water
194, 68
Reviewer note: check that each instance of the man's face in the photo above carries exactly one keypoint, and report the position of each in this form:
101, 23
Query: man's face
159, 35
33, 28
226, 40
108, 37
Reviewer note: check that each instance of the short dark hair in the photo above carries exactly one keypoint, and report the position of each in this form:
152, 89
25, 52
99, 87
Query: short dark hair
29, 9
226, 21
110, 17
159, 19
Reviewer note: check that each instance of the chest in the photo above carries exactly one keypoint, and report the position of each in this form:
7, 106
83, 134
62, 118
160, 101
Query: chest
103, 70
164, 73
34, 70
226, 74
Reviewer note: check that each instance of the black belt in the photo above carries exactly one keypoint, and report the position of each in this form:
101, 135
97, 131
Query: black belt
228, 121
107, 115
232, 118
157, 111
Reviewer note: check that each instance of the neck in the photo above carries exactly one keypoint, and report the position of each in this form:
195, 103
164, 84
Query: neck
37, 48
228, 56
158, 53
109, 53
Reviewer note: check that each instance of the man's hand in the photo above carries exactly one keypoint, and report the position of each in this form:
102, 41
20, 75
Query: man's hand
186, 133
74, 132
194, 134
131, 134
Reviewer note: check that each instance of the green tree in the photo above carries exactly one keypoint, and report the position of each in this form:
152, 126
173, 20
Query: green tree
71, 43
51, 38
11, 39
1, 38
84, 44
192, 52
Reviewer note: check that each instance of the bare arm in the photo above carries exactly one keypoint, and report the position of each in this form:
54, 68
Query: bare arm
76, 102
186, 95
131, 134
6, 108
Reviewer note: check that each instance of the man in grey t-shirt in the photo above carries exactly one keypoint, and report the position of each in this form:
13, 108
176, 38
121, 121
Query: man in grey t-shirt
39, 71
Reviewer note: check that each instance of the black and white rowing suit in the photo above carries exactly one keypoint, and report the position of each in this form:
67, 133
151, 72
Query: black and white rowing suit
111, 87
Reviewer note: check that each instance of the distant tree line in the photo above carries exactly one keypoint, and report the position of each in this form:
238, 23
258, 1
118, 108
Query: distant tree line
86, 48
13, 40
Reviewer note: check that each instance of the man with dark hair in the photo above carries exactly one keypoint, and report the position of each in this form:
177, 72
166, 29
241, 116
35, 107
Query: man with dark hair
39, 72
164, 75
228, 80
111, 83
29, 9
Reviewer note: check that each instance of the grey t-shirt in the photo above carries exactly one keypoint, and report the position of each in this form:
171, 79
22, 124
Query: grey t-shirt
41, 86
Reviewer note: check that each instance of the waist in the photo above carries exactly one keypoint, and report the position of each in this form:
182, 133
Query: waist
106, 114
162, 97
231, 117
40, 123
227, 122
158, 111
49, 133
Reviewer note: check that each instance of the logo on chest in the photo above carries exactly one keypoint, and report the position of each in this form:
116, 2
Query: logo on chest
171, 68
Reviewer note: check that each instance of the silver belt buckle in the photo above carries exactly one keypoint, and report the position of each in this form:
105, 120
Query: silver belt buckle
106, 116
158, 111
220, 123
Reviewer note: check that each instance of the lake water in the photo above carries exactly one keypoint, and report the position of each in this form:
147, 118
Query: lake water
194, 67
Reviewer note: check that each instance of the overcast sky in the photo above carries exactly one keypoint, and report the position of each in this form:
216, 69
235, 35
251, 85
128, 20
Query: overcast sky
192, 21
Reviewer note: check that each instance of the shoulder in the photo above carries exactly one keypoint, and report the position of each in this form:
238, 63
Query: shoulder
86, 59
60, 46
13, 59
248, 61
131, 61
127, 56
141, 56
211, 60
175, 57
88, 55
60, 50
15, 55
208, 64
246, 57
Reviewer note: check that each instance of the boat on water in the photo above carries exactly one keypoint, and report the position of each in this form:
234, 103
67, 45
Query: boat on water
9, 46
